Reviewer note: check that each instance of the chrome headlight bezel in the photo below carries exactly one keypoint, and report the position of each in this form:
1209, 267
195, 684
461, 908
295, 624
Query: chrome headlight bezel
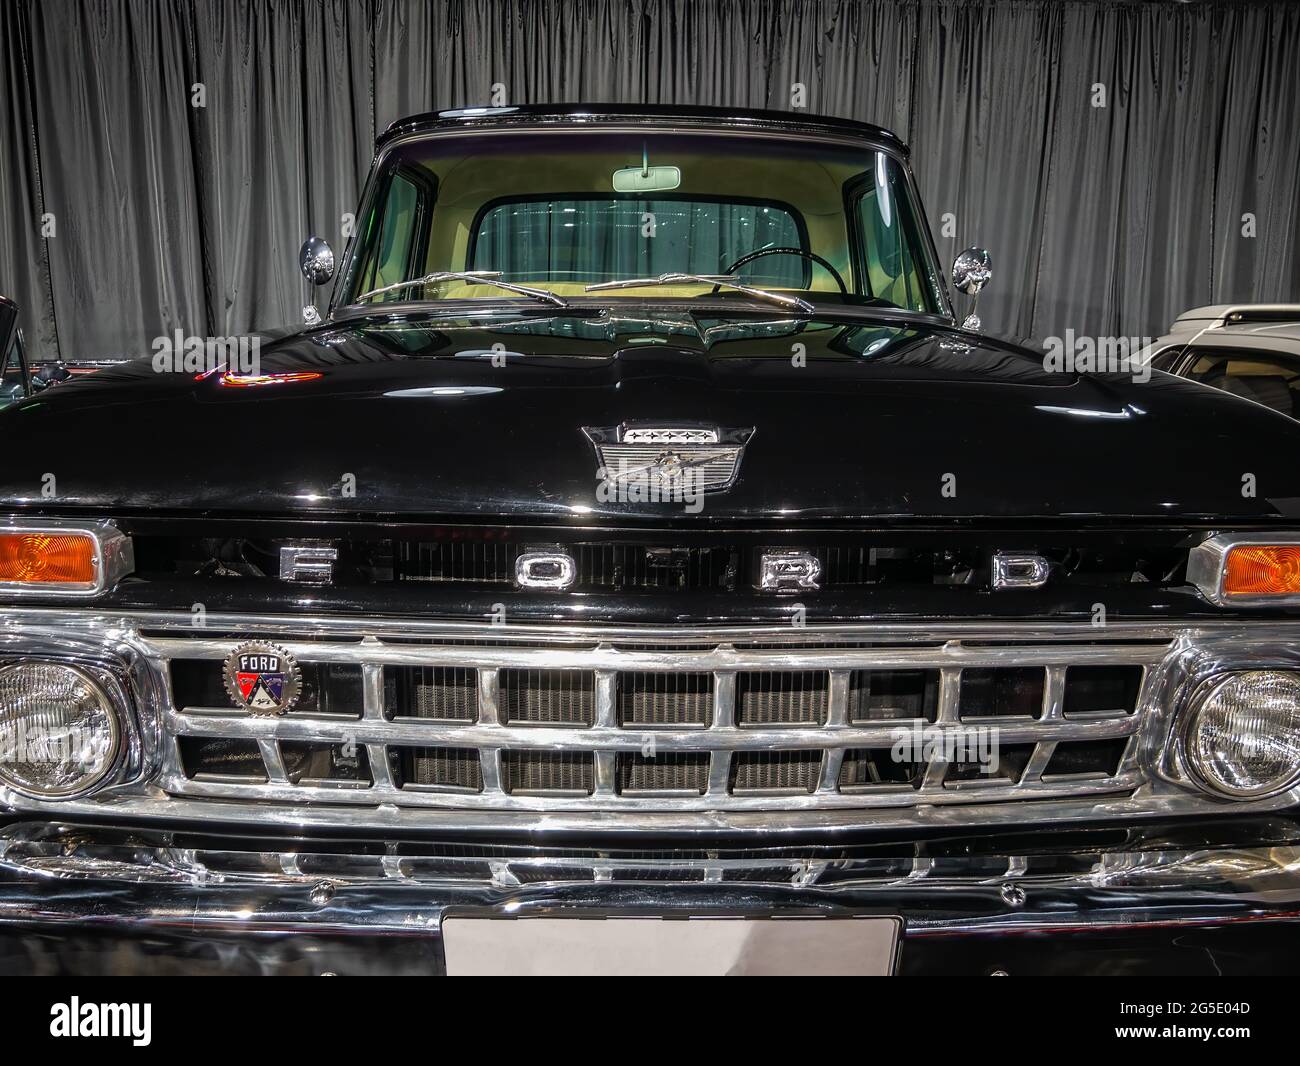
123, 743
1189, 675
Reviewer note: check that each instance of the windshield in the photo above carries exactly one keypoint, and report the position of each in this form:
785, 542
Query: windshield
564, 210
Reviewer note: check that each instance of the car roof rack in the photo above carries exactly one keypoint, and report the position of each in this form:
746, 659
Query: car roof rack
1219, 316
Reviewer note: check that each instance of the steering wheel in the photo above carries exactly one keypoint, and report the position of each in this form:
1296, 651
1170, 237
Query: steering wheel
812, 256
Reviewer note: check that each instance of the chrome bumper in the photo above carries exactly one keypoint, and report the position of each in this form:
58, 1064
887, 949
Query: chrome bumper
83, 877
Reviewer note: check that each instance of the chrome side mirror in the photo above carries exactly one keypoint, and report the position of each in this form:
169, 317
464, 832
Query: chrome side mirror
316, 261
971, 271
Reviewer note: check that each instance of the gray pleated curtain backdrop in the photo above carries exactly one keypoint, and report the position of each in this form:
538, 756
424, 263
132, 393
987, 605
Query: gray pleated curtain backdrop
1108, 220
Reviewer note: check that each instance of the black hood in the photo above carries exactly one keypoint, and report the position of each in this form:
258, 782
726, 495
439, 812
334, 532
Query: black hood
469, 417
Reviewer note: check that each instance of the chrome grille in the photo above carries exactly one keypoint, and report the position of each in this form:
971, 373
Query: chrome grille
786, 723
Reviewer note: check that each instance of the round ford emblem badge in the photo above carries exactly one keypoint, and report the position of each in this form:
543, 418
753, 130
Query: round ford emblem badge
262, 678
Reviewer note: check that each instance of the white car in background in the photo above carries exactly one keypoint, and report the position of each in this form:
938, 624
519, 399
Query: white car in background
1249, 350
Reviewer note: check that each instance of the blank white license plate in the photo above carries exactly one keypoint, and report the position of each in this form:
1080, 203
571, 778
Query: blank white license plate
614, 947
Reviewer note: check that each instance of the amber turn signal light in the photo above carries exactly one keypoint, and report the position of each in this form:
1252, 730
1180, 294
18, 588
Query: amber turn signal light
1248, 569
1262, 570
48, 558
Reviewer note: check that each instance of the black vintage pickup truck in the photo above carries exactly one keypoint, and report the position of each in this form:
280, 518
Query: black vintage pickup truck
640, 531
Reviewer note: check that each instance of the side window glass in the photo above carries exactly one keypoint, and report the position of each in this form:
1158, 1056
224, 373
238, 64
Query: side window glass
13, 385
885, 229
1262, 376
1167, 357
393, 257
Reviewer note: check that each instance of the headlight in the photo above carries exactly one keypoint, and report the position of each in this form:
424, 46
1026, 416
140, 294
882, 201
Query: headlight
1243, 737
59, 731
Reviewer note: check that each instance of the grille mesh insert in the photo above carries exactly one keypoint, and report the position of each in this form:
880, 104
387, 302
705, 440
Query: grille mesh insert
443, 768
659, 699
548, 697
440, 692
222, 757
489, 562
775, 771
547, 771
667, 772
619, 566
780, 698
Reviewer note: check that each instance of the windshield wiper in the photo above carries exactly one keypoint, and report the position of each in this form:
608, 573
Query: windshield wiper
725, 280
478, 277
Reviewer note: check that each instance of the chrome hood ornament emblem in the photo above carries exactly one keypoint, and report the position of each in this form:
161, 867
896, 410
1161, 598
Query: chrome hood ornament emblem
665, 458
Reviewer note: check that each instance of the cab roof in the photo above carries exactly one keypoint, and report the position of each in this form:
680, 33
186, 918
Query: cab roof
541, 116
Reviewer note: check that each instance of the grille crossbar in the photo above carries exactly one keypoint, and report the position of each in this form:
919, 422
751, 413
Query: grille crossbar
720, 740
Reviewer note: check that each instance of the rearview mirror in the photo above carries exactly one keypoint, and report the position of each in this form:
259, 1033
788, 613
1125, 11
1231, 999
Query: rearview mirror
647, 179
